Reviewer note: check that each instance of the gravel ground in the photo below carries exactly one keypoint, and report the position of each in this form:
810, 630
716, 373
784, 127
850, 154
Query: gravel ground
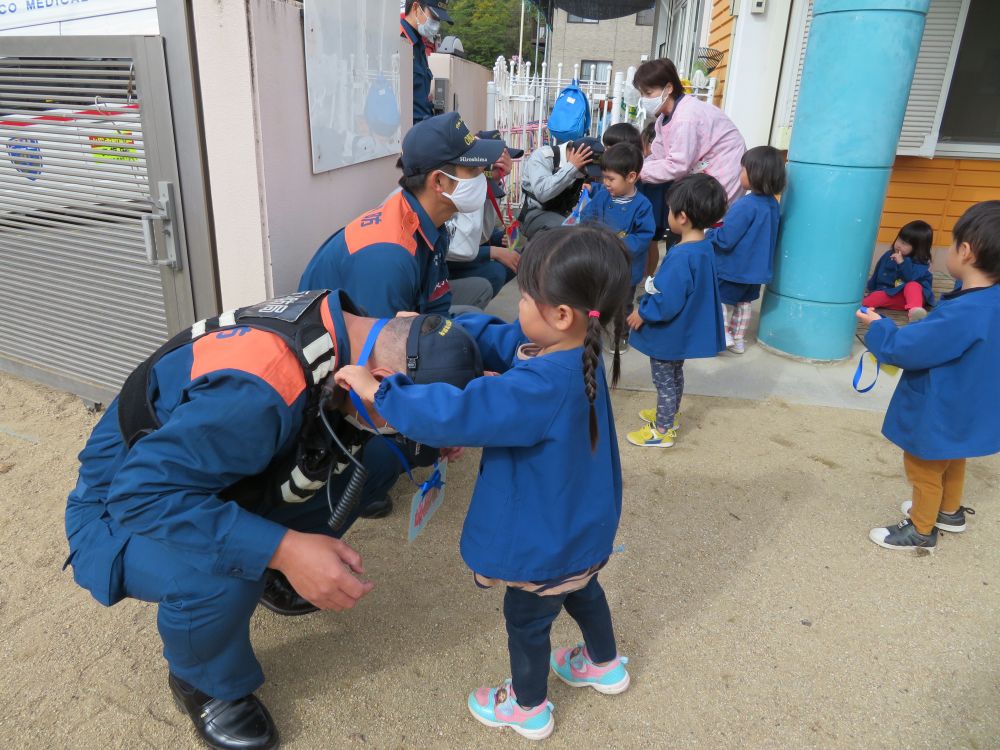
755, 610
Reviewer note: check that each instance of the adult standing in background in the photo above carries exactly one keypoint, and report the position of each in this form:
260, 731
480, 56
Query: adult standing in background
691, 136
422, 20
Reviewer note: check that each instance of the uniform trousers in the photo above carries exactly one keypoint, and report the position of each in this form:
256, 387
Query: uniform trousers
204, 619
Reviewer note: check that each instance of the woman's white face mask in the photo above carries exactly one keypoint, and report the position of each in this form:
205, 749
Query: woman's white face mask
470, 195
651, 104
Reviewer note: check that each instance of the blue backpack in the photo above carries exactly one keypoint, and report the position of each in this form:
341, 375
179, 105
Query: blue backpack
570, 118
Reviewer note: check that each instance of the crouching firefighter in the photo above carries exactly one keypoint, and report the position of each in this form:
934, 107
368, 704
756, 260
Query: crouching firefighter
224, 475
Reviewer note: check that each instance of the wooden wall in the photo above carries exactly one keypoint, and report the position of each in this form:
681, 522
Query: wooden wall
937, 191
720, 36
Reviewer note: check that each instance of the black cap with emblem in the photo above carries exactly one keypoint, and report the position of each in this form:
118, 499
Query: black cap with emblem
438, 351
445, 139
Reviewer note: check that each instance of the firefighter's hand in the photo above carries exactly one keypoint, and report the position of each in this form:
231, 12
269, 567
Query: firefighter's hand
359, 380
580, 156
321, 569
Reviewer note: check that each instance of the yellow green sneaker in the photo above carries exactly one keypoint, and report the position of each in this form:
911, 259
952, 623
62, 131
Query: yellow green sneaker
649, 437
649, 416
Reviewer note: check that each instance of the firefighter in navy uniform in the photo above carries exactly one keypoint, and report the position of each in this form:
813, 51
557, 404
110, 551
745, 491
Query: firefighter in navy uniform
215, 479
420, 26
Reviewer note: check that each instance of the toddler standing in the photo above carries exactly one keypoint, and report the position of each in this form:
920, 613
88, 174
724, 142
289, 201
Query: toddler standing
680, 317
546, 506
946, 407
744, 244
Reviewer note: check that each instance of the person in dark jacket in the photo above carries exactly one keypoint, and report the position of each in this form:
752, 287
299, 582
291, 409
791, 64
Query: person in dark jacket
902, 279
744, 244
680, 316
206, 510
420, 26
946, 407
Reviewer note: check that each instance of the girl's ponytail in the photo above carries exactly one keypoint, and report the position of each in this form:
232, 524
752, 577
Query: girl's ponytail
587, 268
591, 361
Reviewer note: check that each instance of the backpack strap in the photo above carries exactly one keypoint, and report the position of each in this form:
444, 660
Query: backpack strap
295, 318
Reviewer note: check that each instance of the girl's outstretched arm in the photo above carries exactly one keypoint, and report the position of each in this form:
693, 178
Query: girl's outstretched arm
510, 410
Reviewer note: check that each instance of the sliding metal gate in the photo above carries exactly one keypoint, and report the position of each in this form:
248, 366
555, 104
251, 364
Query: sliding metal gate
93, 263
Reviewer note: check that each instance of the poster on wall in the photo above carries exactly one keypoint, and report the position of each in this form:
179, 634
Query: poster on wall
352, 74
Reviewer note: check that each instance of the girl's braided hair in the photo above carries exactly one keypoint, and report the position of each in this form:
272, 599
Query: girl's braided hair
587, 268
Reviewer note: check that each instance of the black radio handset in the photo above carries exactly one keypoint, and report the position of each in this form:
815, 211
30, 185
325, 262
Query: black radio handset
351, 496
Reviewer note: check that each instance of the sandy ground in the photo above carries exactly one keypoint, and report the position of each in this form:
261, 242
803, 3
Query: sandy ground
755, 610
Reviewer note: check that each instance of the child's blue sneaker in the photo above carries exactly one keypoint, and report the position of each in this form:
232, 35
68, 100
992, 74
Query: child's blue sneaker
498, 707
575, 667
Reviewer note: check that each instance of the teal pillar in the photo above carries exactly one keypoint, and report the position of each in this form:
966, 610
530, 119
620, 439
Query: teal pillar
855, 84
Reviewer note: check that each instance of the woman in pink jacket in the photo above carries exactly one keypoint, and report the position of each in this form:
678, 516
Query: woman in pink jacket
692, 136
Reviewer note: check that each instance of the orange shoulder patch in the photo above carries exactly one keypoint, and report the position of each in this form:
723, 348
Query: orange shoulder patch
394, 223
256, 352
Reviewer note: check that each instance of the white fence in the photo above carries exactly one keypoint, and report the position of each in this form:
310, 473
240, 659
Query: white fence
520, 101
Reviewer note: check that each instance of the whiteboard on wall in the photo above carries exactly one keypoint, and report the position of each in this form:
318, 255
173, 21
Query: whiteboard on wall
352, 73
70, 17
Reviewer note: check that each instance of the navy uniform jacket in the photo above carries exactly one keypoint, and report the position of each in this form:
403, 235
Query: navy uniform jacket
947, 402
229, 404
545, 505
422, 76
683, 320
744, 244
890, 276
389, 259
631, 218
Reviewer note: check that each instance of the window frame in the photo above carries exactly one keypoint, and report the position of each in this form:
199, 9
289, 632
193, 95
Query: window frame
572, 18
652, 17
585, 63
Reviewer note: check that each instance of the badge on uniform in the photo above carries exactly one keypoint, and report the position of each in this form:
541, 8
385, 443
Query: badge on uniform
427, 500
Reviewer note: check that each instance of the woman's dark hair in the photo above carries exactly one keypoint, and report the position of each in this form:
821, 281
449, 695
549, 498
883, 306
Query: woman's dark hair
765, 168
588, 268
622, 158
621, 132
920, 236
980, 227
649, 133
701, 197
656, 74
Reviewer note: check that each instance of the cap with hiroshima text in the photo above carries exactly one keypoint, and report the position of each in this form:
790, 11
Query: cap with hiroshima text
445, 139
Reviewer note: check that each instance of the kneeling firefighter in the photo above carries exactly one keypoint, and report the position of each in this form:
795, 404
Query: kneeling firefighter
224, 474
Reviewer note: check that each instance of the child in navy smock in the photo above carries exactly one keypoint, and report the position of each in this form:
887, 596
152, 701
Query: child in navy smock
946, 407
902, 278
680, 317
744, 244
546, 506
618, 205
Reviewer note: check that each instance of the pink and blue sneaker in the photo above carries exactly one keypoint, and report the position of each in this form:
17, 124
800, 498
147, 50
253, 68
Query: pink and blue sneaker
575, 667
498, 707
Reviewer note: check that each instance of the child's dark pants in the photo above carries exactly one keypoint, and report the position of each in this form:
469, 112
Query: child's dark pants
529, 622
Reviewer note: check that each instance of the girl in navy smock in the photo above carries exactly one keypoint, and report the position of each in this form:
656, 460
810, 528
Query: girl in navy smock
545, 510
744, 244
946, 407
680, 317
902, 278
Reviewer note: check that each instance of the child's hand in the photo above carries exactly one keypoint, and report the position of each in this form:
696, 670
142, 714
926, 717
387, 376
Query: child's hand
357, 379
451, 454
634, 321
868, 316
898, 257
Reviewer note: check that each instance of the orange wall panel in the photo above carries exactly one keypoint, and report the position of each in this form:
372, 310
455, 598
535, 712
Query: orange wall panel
937, 191
720, 37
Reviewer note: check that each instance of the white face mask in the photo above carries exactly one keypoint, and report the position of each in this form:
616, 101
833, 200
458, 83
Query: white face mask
470, 195
651, 103
365, 427
430, 28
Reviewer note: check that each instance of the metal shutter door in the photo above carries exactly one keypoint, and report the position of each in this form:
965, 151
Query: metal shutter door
78, 296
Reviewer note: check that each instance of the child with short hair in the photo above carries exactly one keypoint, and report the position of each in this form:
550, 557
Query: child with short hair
946, 407
680, 317
902, 279
618, 205
621, 132
744, 244
547, 502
